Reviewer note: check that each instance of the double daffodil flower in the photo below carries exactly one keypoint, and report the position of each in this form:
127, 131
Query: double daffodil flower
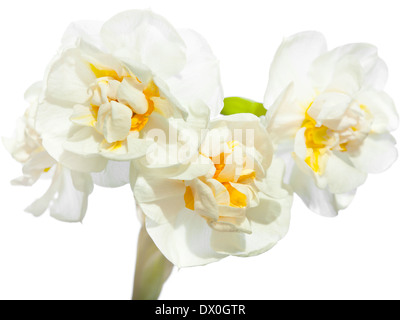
329, 118
133, 100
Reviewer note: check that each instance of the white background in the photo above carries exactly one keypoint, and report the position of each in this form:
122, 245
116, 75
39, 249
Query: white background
353, 256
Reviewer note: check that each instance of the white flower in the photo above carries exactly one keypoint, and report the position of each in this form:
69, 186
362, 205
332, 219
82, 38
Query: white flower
229, 201
67, 196
114, 84
330, 118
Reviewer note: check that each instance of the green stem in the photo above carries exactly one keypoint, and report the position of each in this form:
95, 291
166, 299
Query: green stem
152, 269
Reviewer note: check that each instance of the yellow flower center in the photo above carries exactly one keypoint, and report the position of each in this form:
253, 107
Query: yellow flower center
138, 121
237, 198
189, 198
320, 139
315, 138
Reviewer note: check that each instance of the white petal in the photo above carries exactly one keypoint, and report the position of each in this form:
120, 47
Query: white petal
70, 205
11, 146
81, 163
324, 67
137, 148
376, 76
347, 76
82, 116
320, 180
204, 201
343, 200
247, 129
329, 109
376, 154
116, 174
34, 168
272, 185
291, 64
269, 224
214, 141
173, 142
231, 171
117, 123
163, 211
201, 166
145, 37
69, 78
318, 200
38, 162
84, 141
300, 145
198, 115
26, 180
128, 94
39, 206
149, 189
200, 79
341, 176
82, 182
229, 224
284, 116
184, 240
267, 211
229, 243
34, 92
221, 194
53, 124
88, 31
382, 108
165, 108
166, 93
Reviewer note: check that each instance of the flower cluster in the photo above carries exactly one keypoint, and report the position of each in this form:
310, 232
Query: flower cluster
133, 100
329, 118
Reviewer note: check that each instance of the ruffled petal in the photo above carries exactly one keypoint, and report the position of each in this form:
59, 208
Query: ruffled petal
247, 129
318, 200
284, 116
67, 196
343, 200
128, 94
204, 201
291, 64
83, 141
324, 67
117, 123
69, 78
269, 224
201, 72
82, 116
39, 206
150, 189
272, 185
376, 154
382, 108
116, 174
184, 240
87, 31
329, 109
70, 204
341, 176
141, 36
53, 124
